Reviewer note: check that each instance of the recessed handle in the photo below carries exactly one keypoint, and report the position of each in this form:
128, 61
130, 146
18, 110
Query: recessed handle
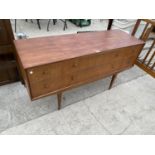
75, 64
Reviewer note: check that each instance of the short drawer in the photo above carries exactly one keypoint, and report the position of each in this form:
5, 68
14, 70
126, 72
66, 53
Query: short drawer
39, 73
39, 88
43, 87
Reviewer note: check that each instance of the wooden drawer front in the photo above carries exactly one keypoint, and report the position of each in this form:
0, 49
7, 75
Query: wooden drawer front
101, 65
44, 79
53, 77
107, 67
59, 80
40, 73
99, 59
44, 87
56, 70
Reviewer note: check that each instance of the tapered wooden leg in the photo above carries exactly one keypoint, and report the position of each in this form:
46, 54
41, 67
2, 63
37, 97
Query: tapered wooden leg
112, 80
59, 97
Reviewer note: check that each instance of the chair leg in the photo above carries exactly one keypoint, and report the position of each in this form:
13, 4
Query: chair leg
59, 97
48, 24
15, 25
38, 22
54, 21
112, 80
65, 24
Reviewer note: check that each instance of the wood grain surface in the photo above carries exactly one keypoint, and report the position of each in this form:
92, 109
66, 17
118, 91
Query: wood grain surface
44, 50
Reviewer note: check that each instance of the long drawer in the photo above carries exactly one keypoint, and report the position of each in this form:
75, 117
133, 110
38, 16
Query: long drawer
58, 76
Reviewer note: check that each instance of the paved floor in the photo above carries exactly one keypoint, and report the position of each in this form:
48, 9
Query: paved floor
128, 108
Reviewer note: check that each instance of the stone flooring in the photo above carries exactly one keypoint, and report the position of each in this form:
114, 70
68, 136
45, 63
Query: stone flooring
128, 108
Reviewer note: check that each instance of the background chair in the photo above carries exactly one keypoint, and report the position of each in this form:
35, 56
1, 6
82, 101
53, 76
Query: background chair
38, 22
55, 21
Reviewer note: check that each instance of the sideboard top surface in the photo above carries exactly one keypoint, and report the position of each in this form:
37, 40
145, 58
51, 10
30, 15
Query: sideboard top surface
44, 50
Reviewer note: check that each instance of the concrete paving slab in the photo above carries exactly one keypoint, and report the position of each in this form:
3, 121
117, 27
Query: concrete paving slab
104, 113
81, 121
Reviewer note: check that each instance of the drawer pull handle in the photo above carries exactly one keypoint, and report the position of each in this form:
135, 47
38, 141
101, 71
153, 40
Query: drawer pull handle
44, 73
45, 86
31, 72
75, 65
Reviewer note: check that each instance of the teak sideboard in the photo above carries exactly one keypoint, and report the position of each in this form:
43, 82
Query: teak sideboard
51, 65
